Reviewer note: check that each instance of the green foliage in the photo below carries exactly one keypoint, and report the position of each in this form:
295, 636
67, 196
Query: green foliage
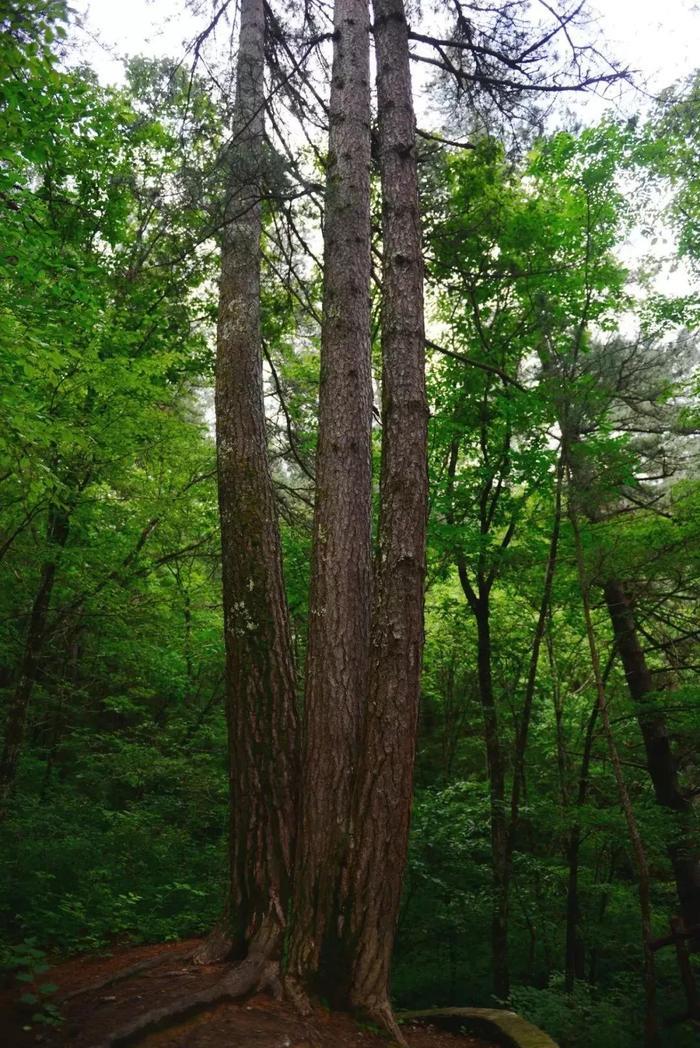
671, 147
96, 868
582, 1017
587, 1016
116, 831
105, 311
532, 302
29, 966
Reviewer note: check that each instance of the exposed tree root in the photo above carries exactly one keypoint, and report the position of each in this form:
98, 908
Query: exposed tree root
377, 1011
127, 973
259, 971
381, 1013
256, 973
216, 948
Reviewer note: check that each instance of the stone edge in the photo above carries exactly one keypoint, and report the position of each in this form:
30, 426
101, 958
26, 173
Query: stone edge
509, 1027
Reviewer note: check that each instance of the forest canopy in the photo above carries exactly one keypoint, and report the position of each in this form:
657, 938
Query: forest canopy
350, 514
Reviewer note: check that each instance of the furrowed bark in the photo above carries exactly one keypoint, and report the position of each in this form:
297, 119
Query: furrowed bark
385, 777
260, 698
338, 651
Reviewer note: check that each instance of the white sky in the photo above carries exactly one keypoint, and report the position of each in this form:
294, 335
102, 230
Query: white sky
115, 29
657, 37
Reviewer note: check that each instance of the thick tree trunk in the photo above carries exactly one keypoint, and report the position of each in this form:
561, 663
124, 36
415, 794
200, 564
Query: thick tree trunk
338, 651
260, 695
15, 723
385, 777
684, 851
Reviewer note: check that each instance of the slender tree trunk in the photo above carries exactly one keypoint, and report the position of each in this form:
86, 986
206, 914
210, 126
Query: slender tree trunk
573, 944
540, 627
187, 646
684, 851
503, 864
574, 953
385, 778
338, 650
15, 724
478, 599
499, 822
260, 696
497, 796
69, 685
651, 1031
9, 537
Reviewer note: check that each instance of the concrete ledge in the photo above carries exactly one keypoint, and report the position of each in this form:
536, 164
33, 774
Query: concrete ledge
508, 1028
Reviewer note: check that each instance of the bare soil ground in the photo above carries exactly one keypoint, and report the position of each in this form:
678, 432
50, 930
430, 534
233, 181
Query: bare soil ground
89, 1017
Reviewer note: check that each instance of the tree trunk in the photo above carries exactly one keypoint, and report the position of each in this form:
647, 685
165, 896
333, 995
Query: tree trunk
499, 827
338, 649
651, 1031
574, 954
542, 617
260, 696
684, 852
56, 536
574, 959
497, 798
69, 685
385, 777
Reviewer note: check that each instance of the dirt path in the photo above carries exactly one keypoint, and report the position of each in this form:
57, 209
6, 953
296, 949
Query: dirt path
259, 1022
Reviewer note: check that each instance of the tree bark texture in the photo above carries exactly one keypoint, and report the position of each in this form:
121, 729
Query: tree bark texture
260, 691
56, 535
338, 647
385, 777
684, 851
